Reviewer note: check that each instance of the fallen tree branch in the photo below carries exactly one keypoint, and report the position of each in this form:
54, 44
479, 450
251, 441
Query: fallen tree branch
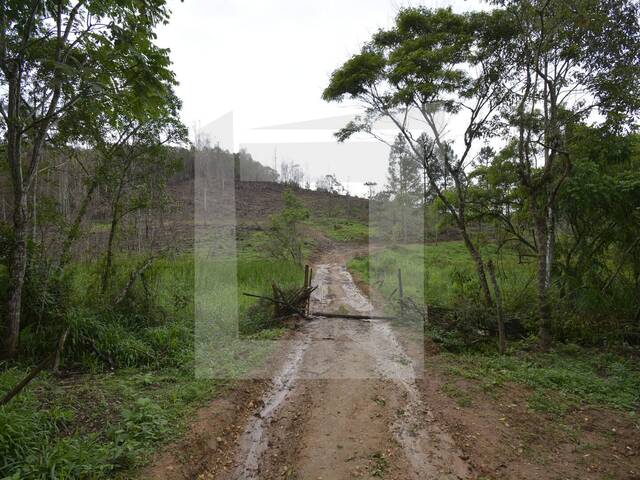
25, 381
58, 355
105, 357
279, 302
52, 357
354, 317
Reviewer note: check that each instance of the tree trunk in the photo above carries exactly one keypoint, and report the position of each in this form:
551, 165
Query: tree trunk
74, 231
479, 264
403, 218
17, 269
545, 250
34, 210
106, 274
502, 340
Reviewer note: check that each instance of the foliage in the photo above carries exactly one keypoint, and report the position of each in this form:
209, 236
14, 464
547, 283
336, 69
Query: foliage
561, 380
405, 195
85, 73
52, 432
342, 229
106, 421
285, 241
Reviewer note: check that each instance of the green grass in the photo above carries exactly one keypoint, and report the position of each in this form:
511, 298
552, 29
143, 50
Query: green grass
341, 229
561, 380
379, 464
442, 274
570, 376
462, 398
101, 424
100, 427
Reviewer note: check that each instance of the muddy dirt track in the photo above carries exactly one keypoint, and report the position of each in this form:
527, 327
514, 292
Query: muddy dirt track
347, 399
344, 404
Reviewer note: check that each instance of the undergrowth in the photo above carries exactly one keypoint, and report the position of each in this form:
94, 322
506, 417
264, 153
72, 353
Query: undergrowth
561, 380
130, 377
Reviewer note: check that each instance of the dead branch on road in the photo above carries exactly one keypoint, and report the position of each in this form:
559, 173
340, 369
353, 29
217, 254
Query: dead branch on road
353, 317
287, 302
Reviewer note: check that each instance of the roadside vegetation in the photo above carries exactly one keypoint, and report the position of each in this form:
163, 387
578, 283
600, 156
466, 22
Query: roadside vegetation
127, 381
518, 242
541, 287
441, 276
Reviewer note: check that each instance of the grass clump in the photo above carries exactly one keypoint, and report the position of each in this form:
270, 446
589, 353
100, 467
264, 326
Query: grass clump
97, 429
561, 380
342, 229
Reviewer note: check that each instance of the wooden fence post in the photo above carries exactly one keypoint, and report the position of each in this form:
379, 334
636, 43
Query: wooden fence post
400, 293
306, 276
502, 340
309, 286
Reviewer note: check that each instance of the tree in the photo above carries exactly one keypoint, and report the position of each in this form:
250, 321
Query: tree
52, 56
525, 72
285, 241
598, 247
329, 183
372, 188
291, 174
433, 61
136, 174
403, 181
569, 59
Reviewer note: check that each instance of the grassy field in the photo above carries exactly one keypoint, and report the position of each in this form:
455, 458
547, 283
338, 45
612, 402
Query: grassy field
341, 229
97, 423
443, 273
561, 380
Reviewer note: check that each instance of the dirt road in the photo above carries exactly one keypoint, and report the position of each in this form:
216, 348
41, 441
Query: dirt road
345, 403
346, 400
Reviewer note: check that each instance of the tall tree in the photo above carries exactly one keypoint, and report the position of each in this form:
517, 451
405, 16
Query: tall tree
433, 62
403, 182
570, 60
53, 55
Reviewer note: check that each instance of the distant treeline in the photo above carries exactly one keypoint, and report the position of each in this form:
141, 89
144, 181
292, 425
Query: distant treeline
245, 167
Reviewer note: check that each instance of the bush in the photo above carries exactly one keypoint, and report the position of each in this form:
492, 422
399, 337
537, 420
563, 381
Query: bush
284, 239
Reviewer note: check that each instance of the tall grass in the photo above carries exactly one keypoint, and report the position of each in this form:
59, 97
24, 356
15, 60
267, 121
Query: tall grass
444, 274
109, 422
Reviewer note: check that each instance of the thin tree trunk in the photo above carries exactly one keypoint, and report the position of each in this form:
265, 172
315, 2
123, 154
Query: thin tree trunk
58, 355
502, 341
18, 262
106, 274
34, 209
479, 264
544, 306
17, 270
404, 222
74, 231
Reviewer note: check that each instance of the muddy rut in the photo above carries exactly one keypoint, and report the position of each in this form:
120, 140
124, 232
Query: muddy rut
344, 404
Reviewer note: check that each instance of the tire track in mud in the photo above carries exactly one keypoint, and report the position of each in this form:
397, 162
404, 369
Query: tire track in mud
345, 403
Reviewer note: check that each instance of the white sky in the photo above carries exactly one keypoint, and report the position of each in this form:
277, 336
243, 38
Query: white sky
268, 62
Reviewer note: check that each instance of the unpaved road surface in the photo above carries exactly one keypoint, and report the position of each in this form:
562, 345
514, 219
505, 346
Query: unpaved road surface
345, 400
344, 404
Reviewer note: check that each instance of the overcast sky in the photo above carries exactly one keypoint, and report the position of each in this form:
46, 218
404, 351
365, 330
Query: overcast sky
268, 61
